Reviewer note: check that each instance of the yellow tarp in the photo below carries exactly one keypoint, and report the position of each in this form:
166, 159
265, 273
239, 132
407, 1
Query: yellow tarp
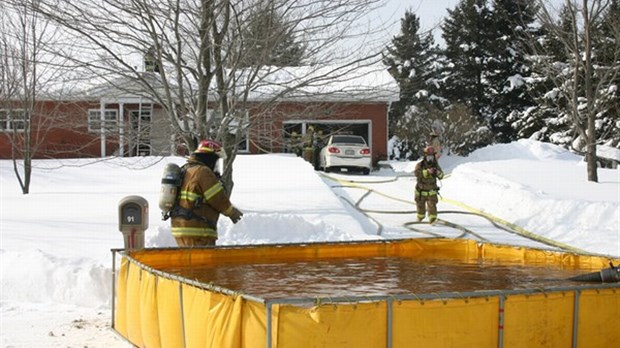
541, 320
169, 312
599, 318
469, 322
357, 325
120, 315
133, 306
154, 309
452, 249
211, 319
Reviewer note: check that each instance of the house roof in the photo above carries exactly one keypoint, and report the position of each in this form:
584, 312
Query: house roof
328, 83
300, 84
125, 88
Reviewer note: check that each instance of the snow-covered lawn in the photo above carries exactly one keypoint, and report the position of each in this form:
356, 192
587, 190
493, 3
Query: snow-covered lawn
55, 242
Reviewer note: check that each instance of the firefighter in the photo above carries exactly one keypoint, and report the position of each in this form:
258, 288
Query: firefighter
296, 143
309, 138
202, 198
435, 144
318, 143
427, 171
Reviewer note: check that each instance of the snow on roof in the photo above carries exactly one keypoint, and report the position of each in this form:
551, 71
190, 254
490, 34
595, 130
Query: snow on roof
327, 83
302, 84
608, 152
125, 87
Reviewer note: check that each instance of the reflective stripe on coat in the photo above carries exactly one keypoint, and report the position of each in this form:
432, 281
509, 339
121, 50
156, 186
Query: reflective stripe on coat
202, 193
425, 181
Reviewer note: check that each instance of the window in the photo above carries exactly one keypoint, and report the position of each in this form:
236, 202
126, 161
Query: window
243, 145
12, 120
110, 120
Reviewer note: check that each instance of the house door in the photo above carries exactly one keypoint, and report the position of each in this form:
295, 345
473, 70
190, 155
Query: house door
140, 133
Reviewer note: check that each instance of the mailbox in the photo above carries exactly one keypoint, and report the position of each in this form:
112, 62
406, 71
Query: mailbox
133, 220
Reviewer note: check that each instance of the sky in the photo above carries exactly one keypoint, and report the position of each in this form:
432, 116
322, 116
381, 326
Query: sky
386, 18
56, 263
430, 12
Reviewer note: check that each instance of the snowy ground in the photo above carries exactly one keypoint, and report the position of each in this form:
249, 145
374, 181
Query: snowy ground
55, 243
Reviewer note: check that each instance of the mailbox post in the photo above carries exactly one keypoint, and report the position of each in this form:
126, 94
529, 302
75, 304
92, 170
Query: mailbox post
133, 220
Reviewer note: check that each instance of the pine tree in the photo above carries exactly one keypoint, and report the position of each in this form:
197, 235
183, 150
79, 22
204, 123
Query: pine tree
413, 62
269, 40
584, 83
507, 69
470, 32
607, 48
551, 120
466, 34
548, 119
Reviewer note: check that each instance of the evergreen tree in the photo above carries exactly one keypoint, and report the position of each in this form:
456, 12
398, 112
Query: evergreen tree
507, 69
488, 68
551, 120
607, 56
585, 83
466, 34
268, 39
547, 120
413, 62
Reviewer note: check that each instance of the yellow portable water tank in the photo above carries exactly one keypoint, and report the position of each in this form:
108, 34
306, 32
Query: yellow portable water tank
155, 306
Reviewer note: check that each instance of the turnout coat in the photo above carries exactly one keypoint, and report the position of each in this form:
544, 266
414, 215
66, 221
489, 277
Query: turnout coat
202, 198
427, 174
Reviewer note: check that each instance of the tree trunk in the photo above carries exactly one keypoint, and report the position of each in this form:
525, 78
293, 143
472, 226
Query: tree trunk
590, 137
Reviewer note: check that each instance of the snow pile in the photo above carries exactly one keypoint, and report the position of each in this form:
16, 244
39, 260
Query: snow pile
542, 188
55, 259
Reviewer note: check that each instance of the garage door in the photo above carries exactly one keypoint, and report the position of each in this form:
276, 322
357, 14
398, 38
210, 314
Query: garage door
361, 128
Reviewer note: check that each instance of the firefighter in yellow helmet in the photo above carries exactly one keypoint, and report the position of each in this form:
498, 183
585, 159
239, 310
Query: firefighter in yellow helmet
427, 171
202, 199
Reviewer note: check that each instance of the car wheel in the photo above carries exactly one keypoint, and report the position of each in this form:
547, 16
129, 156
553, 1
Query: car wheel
366, 171
327, 169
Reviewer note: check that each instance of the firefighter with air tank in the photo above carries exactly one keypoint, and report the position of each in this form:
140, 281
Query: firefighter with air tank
198, 197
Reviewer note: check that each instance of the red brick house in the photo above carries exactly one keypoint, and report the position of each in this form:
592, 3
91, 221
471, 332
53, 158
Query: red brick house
356, 103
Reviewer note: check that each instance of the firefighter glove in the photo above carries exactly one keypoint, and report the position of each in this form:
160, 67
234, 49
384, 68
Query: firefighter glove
236, 215
432, 171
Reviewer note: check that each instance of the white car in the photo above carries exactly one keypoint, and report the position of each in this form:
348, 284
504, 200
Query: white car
344, 153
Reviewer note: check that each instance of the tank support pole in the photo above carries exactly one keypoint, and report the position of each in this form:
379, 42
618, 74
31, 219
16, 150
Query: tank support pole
268, 328
390, 302
182, 314
576, 318
500, 326
113, 286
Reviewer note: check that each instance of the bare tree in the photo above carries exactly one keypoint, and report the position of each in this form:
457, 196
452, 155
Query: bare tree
26, 79
583, 80
194, 68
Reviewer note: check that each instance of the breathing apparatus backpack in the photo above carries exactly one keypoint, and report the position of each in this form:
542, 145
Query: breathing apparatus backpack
170, 184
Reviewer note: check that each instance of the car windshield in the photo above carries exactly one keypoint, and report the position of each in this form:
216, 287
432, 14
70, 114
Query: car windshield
348, 139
